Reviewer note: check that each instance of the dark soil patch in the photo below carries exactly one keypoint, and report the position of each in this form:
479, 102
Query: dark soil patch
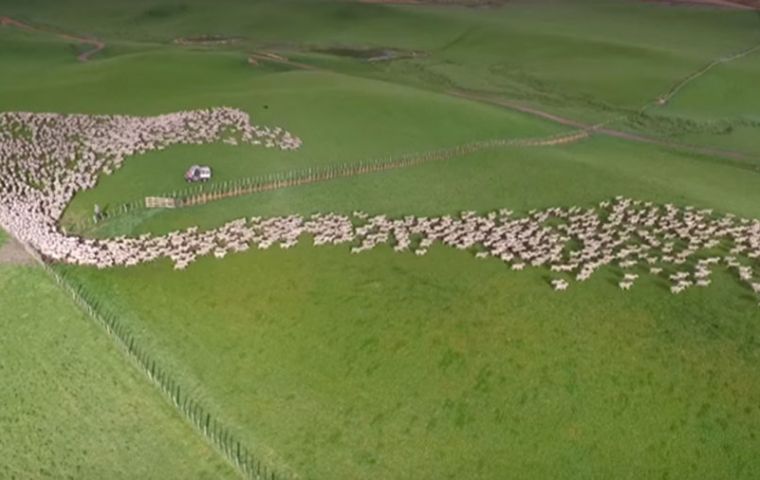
207, 40
368, 54
163, 12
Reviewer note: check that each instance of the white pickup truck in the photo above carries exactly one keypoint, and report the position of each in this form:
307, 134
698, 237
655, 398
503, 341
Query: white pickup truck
198, 173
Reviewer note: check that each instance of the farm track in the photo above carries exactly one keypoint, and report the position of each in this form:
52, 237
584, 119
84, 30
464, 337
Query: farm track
9, 252
255, 58
96, 44
601, 129
10, 249
665, 99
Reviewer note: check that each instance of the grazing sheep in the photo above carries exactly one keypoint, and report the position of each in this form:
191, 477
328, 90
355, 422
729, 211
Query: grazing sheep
60, 155
560, 284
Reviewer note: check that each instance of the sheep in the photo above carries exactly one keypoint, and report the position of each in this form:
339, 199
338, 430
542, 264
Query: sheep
66, 154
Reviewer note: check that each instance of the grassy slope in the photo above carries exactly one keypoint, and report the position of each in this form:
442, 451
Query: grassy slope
396, 120
545, 53
724, 92
318, 106
618, 63
541, 52
72, 406
366, 340
392, 366
387, 366
261, 21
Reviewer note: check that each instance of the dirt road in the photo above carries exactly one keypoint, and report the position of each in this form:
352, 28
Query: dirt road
96, 44
255, 58
664, 99
601, 129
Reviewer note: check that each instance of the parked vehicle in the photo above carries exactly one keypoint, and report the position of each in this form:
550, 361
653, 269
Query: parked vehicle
198, 173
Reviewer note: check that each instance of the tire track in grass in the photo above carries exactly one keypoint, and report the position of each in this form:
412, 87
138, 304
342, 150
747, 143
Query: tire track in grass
664, 99
601, 128
255, 58
96, 44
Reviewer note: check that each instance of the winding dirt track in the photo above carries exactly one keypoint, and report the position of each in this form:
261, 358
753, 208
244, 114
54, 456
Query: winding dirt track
96, 44
590, 129
255, 58
509, 104
664, 99
600, 128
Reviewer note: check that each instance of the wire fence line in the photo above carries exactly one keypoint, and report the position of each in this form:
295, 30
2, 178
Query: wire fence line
204, 193
211, 429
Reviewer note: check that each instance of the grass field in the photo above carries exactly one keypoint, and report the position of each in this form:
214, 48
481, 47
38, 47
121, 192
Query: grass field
72, 406
386, 365
391, 127
307, 324
722, 93
346, 365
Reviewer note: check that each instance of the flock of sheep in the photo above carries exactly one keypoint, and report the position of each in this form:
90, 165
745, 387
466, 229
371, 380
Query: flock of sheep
47, 158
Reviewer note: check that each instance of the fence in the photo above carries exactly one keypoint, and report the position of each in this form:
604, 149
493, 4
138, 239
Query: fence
216, 433
204, 193
118, 210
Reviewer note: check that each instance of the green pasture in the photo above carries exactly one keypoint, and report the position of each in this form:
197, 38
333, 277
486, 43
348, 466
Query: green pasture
594, 55
385, 365
724, 92
397, 120
260, 333
73, 407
